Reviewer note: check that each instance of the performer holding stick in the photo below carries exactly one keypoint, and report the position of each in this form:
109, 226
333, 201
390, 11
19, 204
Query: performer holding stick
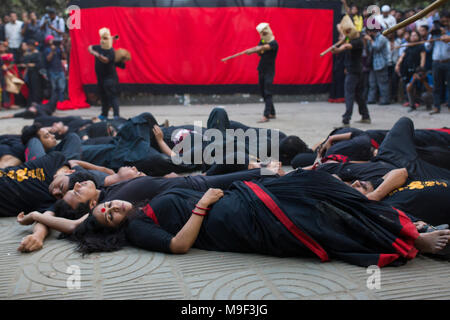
267, 50
353, 80
105, 68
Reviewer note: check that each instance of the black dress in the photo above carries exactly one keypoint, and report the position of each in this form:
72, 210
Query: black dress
304, 213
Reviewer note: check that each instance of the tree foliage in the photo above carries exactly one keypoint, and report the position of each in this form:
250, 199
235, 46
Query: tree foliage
37, 6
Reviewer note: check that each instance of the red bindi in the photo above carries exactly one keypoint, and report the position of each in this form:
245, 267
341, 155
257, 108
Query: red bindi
103, 209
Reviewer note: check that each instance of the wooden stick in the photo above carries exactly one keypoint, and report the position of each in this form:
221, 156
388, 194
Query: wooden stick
331, 48
234, 55
412, 44
417, 16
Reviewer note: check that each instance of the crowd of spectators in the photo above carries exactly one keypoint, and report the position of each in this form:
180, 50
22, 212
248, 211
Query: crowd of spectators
33, 58
410, 66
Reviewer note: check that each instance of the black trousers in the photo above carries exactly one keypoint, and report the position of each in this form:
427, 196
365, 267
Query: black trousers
398, 149
108, 95
266, 87
354, 92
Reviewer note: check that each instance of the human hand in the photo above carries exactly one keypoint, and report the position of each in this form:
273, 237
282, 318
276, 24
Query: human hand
25, 219
210, 197
30, 243
158, 133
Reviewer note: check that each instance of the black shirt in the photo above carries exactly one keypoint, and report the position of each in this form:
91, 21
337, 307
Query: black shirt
142, 188
353, 56
425, 200
412, 58
105, 70
358, 171
25, 187
267, 62
35, 58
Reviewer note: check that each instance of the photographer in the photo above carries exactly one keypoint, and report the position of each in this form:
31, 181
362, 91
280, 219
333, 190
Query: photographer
419, 90
53, 25
441, 60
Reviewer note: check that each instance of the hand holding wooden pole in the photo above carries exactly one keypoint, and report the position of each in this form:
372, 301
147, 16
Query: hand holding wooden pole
331, 48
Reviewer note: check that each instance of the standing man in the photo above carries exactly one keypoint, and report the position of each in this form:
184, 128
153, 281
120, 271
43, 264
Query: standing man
105, 68
385, 18
13, 34
52, 25
54, 54
379, 76
267, 50
353, 80
441, 61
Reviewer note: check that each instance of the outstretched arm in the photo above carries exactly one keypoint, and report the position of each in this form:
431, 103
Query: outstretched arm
90, 166
60, 224
265, 47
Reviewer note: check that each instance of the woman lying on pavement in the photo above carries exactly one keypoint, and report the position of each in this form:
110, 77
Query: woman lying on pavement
303, 213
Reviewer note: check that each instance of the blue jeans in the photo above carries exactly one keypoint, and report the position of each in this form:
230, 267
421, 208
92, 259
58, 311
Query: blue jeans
379, 80
58, 82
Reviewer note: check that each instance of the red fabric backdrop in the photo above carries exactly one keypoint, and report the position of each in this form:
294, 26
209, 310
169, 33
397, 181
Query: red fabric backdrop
184, 45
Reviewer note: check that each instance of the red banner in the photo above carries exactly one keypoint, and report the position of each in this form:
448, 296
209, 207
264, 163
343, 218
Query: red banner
184, 45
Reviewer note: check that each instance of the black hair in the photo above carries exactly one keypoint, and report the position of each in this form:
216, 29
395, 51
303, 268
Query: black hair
290, 147
91, 236
29, 132
425, 26
64, 210
80, 176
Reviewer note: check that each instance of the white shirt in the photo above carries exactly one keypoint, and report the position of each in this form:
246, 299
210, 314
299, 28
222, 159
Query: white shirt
13, 34
387, 22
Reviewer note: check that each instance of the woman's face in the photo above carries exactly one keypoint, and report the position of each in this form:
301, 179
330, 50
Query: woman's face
414, 37
113, 213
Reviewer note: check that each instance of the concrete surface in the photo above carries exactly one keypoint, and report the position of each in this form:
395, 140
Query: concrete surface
138, 274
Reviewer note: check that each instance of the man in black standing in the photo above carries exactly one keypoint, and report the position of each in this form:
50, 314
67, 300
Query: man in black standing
267, 50
353, 49
105, 68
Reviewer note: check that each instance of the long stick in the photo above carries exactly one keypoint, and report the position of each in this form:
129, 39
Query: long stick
415, 17
330, 48
234, 56
412, 44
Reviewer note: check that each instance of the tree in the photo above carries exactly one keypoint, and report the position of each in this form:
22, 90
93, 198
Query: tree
37, 6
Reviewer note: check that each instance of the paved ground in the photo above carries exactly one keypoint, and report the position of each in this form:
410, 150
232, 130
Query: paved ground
137, 274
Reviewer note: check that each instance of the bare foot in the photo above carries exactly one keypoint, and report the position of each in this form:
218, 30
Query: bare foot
432, 242
264, 119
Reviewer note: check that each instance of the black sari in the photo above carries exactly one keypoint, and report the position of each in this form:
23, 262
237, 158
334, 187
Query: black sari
304, 213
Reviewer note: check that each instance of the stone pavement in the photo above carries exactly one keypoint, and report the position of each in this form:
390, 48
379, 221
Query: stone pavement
138, 274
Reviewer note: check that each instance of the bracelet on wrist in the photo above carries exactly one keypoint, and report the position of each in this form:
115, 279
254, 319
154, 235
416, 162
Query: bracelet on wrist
206, 209
199, 214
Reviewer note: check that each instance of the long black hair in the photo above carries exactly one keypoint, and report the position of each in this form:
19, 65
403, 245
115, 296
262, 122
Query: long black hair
91, 236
